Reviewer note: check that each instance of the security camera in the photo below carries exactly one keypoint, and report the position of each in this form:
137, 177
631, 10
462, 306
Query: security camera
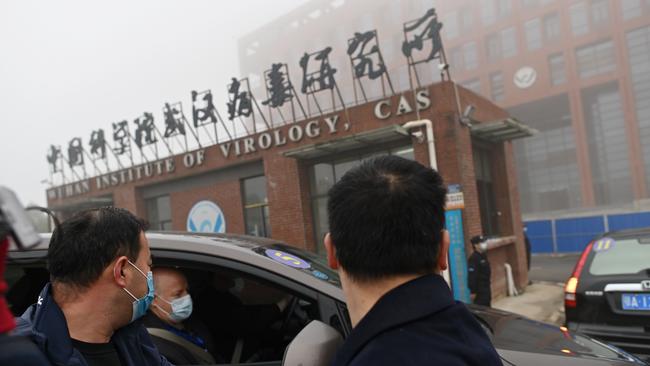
418, 135
443, 66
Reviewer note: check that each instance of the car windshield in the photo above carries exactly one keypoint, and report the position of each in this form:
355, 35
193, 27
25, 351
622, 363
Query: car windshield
627, 256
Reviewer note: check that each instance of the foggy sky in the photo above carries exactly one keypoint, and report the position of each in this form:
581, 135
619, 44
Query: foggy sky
70, 67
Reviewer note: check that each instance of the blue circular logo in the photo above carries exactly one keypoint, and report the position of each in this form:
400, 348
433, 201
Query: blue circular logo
206, 217
287, 259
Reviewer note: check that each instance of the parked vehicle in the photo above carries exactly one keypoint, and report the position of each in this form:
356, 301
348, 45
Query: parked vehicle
265, 270
608, 294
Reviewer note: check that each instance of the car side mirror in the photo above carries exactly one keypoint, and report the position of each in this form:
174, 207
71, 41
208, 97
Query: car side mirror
315, 345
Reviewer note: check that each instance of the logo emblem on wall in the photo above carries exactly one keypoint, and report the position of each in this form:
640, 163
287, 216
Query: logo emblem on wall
206, 217
525, 77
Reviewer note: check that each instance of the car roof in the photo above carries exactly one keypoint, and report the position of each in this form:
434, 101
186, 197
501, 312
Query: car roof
239, 248
628, 233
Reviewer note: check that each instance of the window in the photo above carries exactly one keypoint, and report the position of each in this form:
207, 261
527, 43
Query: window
552, 26
608, 147
628, 256
256, 206
638, 46
466, 19
533, 34
159, 213
488, 12
547, 170
579, 19
450, 29
456, 58
471, 57
595, 59
599, 12
556, 68
473, 85
323, 177
631, 8
508, 42
493, 44
485, 188
496, 86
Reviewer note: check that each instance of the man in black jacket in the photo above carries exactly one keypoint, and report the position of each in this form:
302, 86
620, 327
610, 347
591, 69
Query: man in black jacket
387, 240
479, 273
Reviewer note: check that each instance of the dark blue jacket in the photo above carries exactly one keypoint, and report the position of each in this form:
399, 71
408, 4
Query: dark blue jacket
418, 323
45, 324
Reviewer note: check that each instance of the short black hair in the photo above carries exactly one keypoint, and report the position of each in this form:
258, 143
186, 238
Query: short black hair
85, 244
386, 218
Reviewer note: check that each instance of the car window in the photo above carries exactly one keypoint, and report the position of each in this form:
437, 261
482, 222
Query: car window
627, 256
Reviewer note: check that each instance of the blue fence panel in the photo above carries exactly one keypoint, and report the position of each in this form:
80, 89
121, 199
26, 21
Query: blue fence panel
540, 234
628, 221
574, 234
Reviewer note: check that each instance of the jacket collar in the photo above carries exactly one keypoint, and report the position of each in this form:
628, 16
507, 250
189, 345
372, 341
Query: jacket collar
415, 299
50, 331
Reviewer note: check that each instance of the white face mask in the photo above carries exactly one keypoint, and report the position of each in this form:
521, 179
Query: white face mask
181, 308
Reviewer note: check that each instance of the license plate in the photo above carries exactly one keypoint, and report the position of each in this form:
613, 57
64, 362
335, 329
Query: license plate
636, 302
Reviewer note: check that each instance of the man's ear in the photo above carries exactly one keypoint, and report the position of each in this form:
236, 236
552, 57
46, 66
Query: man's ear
119, 270
444, 251
332, 261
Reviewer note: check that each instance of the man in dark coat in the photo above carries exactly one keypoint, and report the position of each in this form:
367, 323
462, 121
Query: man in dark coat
479, 272
388, 242
101, 284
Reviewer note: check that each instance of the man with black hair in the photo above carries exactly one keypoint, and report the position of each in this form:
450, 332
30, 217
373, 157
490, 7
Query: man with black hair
388, 242
479, 272
100, 284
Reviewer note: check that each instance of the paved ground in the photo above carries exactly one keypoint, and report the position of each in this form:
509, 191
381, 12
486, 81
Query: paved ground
554, 268
542, 301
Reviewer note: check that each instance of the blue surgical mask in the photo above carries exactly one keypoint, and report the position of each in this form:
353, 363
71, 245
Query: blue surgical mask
181, 308
141, 305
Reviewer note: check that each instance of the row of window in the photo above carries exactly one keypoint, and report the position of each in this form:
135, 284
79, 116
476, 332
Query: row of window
592, 60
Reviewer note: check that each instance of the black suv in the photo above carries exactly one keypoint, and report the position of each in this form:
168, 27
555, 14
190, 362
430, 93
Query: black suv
608, 294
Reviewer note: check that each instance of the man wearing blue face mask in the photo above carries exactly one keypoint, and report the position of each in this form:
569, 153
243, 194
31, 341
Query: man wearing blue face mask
100, 285
182, 339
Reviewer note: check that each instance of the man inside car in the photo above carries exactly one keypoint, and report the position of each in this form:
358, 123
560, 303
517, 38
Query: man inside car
100, 285
182, 339
388, 241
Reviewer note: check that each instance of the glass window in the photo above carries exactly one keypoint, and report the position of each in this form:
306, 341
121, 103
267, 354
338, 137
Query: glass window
496, 86
467, 20
488, 12
503, 8
631, 8
638, 47
450, 29
547, 168
624, 257
493, 44
552, 26
599, 12
159, 213
256, 206
557, 70
330, 173
608, 147
471, 57
579, 19
487, 202
533, 34
508, 42
456, 58
595, 59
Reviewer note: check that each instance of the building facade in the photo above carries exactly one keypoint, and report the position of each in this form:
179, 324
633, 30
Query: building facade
578, 71
274, 183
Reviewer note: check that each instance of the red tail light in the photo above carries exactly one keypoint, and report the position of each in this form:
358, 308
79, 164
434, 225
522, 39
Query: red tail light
572, 284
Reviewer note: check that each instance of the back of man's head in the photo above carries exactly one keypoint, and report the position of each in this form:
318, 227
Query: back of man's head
386, 218
84, 245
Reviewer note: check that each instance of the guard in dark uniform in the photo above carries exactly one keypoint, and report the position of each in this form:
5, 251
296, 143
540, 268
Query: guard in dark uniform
479, 272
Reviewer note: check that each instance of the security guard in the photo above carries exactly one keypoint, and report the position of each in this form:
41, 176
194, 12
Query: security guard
479, 272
